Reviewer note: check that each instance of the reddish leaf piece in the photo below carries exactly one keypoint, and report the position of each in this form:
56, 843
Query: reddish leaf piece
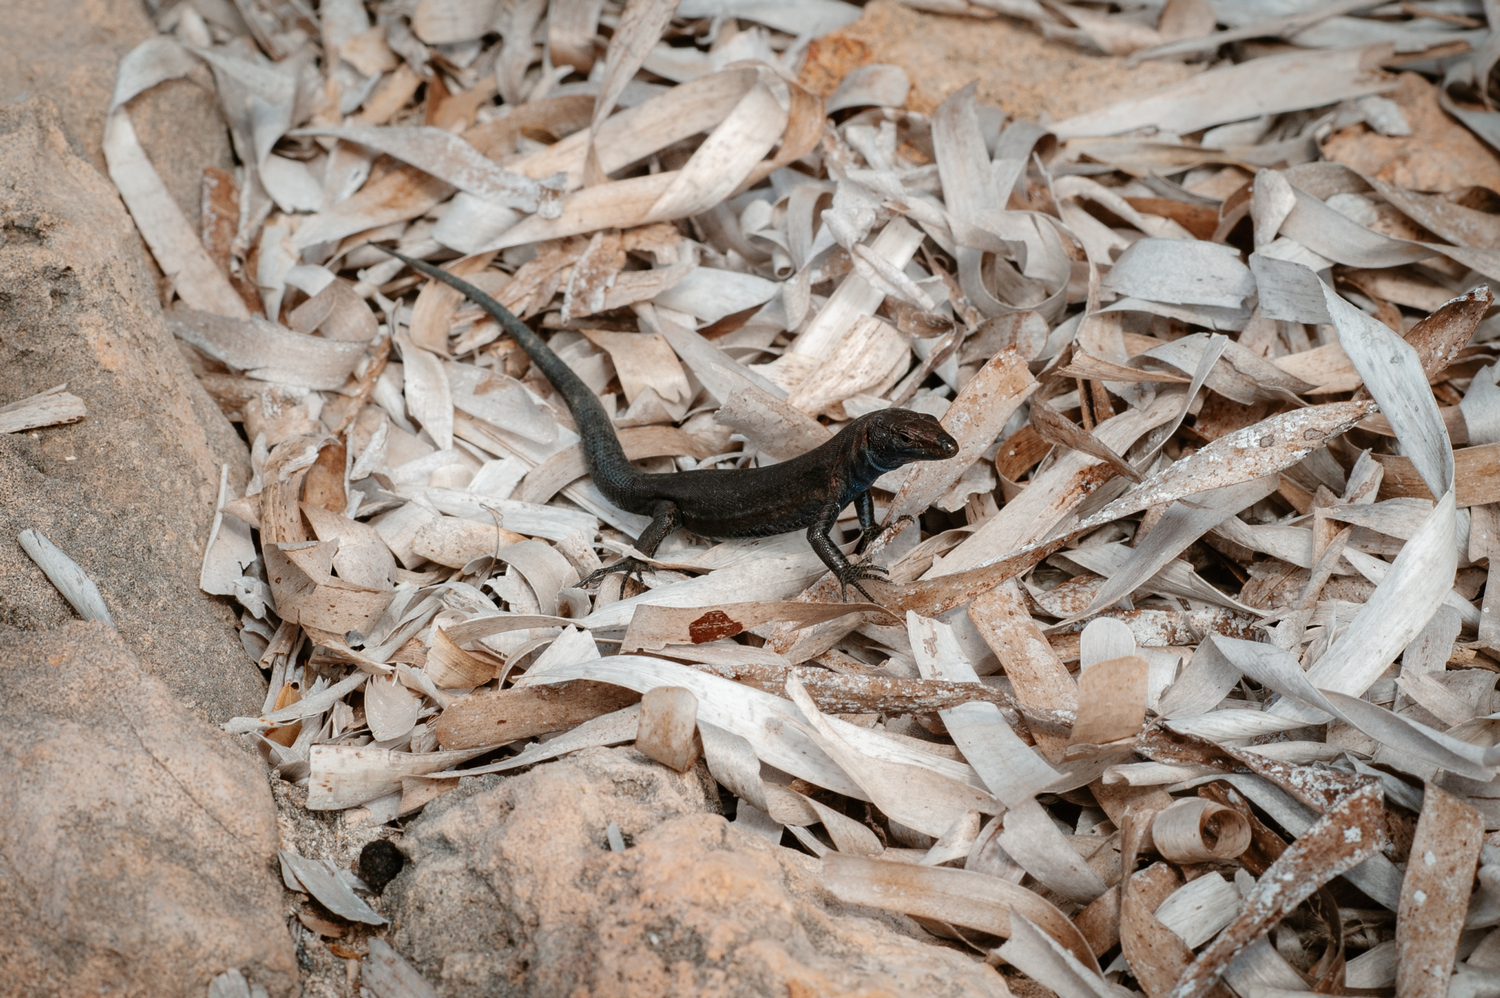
1435, 893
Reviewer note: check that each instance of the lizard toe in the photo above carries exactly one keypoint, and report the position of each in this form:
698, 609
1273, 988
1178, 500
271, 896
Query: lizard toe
630, 567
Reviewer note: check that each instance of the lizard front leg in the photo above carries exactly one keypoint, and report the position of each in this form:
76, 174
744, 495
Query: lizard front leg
847, 573
864, 505
868, 528
665, 518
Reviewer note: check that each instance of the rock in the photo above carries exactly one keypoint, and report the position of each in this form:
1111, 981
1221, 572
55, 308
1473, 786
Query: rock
1438, 155
67, 51
1018, 70
178, 122
138, 840
512, 890
128, 492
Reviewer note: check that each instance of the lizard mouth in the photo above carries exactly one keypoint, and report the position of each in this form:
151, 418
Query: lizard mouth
936, 448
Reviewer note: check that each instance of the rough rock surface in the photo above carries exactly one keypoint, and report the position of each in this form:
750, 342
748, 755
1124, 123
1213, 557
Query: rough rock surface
129, 491
136, 852
68, 50
512, 890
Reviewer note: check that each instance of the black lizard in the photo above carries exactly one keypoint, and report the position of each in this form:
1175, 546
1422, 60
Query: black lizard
807, 491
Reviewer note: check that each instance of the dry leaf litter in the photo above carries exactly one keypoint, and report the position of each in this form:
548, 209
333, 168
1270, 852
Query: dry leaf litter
1183, 677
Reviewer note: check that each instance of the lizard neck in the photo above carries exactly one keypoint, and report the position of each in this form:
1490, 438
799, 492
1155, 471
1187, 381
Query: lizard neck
862, 465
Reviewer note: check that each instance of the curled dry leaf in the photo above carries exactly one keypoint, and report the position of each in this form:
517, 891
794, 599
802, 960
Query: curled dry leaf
1200, 831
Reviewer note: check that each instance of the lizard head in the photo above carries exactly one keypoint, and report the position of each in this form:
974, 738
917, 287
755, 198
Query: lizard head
897, 437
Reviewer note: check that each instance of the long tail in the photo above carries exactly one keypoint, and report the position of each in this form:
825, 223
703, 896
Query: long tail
606, 459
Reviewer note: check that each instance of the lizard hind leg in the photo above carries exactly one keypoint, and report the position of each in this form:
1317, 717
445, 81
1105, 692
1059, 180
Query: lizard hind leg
665, 518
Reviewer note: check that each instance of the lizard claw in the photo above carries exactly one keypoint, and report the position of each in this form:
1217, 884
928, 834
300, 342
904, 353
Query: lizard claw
856, 573
631, 567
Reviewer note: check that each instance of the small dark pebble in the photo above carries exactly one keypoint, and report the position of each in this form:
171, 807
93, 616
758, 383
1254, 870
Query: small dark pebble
379, 862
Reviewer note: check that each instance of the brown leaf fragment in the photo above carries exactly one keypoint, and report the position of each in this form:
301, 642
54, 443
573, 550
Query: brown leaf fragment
668, 729
368, 51
1157, 955
863, 694
1435, 893
1439, 337
324, 927
1476, 476
1020, 453
324, 485
1265, 844
1057, 429
508, 715
220, 215
1350, 832
418, 792
1201, 220
451, 667
1111, 701
285, 735
1036, 673
1100, 921
1439, 154
550, 119
219, 223
593, 274
1086, 366
390, 96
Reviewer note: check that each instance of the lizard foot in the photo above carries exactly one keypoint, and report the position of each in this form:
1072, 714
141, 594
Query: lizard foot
854, 574
631, 567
